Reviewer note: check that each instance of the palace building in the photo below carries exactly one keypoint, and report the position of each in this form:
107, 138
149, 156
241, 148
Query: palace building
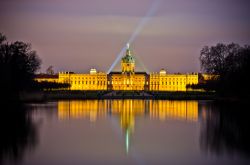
127, 79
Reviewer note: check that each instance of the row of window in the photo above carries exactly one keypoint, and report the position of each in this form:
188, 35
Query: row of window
167, 83
169, 88
174, 79
128, 82
89, 82
88, 87
157, 84
88, 79
135, 79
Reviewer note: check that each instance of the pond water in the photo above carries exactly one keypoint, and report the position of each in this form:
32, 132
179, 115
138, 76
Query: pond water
125, 132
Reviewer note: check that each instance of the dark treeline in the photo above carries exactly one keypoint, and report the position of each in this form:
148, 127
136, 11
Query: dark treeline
18, 65
232, 63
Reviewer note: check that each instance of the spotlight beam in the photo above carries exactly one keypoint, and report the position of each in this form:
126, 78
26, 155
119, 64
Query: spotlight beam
154, 7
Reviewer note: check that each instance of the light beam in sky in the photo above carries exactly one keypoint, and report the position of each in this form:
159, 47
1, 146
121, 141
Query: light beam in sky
154, 7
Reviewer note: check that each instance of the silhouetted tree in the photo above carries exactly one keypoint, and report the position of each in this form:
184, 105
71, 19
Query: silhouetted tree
2, 38
50, 70
215, 60
18, 64
232, 63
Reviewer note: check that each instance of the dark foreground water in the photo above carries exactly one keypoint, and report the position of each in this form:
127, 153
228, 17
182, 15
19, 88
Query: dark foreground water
125, 132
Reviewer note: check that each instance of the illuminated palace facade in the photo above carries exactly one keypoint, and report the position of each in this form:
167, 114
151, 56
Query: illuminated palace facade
127, 79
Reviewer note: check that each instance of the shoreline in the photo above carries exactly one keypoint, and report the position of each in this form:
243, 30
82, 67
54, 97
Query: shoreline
42, 96
46, 96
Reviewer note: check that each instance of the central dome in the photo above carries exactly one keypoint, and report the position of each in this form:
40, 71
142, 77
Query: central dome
128, 62
128, 58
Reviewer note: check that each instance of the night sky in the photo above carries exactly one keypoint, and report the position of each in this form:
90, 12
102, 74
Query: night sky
77, 35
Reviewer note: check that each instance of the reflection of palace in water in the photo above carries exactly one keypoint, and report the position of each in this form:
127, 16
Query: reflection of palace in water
155, 109
128, 110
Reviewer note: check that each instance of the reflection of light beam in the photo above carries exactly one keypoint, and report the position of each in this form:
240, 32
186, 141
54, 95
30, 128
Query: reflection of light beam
139, 27
127, 141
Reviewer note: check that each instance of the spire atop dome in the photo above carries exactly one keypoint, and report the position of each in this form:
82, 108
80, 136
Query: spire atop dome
128, 45
128, 51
